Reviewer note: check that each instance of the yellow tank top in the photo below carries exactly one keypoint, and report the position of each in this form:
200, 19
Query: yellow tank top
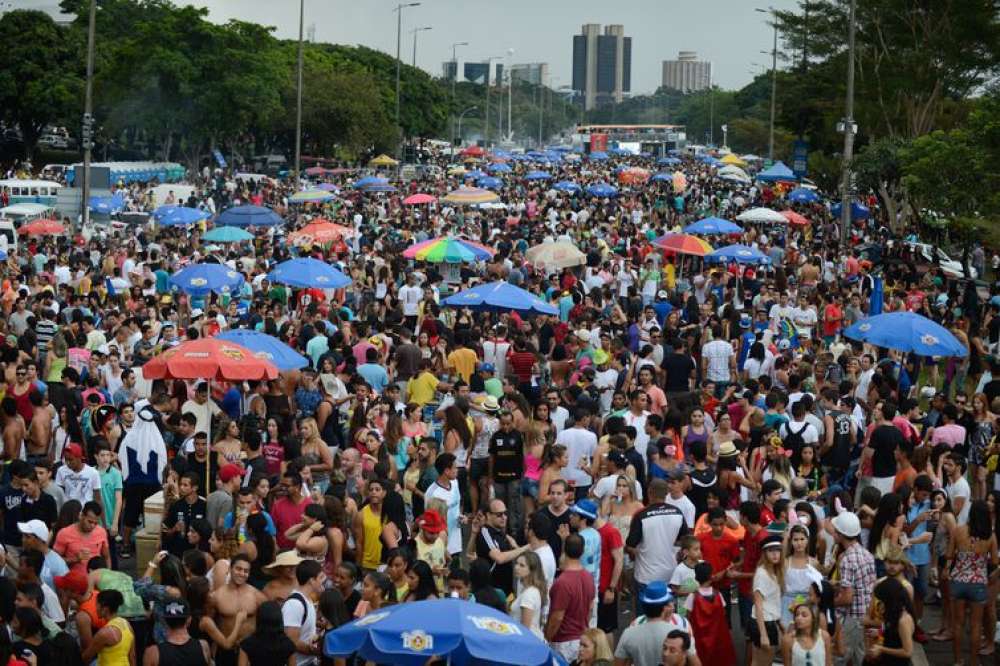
371, 525
117, 655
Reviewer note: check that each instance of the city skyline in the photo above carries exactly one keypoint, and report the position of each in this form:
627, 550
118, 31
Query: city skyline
729, 34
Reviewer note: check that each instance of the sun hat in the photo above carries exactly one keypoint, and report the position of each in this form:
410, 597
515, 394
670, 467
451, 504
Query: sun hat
289, 558
847, 523
727, 450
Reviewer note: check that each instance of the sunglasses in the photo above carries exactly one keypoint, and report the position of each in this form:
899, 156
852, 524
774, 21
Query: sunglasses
499, 513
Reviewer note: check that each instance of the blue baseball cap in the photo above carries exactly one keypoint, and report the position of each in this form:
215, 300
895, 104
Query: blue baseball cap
487, 367
586, 508
656, 592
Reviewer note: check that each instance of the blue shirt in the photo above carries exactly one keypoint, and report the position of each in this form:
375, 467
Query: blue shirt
375, 375
591, 559
919, 553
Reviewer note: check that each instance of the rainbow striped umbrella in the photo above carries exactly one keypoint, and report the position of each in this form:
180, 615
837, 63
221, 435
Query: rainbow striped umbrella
684, 244
469, 196
448, 250
311, 196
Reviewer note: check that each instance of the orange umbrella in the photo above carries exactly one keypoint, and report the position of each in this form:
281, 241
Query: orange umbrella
795, 218
684, 244
43, 227
320, 231
209, 358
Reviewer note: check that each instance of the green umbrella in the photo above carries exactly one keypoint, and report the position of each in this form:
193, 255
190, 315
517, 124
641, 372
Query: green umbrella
228, 235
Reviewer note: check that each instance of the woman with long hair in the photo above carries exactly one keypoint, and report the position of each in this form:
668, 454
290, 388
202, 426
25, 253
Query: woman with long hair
554, 459
421, 582
980, 439
971, 555
172, 586
620, 505
800, 571
268, 645
316, 453
898, 623
259, 547
527, 607
228, 446
309, 534
534, 448
887, 528
594, 649
336, 533
396, 443
768, 585
695, 431
943, 525
376, 591
805, 642
272, 447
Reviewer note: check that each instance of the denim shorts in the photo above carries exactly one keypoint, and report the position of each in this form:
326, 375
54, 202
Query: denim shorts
529, 487
974, 593
919, 580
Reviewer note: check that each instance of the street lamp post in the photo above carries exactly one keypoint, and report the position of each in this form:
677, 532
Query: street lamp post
462, 115
88, 109
510, 93
849, 130
415, 31
486, 121
298, 100
399, 62
774, 81
454, 78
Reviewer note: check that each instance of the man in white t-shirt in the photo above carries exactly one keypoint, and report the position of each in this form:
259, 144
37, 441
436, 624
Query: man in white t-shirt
957, 487
718, 359
676, 483
203, 408
299, 614
445, 488
79, 481
410, 295
580, 445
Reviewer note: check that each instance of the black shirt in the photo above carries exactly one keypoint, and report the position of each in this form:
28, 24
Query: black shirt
10, 503
44, 509
489, 539
507, 451
555, 542
261, 652
678, 368
177, 543
885, 440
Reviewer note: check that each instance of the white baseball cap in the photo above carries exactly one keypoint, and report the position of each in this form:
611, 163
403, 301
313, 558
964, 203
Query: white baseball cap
847, 524
35, 528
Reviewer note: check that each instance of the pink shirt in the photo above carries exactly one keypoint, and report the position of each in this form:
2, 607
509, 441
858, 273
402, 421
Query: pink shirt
70, 542
951, 435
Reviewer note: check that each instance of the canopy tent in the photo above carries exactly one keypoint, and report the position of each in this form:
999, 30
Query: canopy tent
500, 297
382, 160
777, 171
732, 159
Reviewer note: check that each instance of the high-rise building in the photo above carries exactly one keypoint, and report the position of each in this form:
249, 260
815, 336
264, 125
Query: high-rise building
535, 73
687, 73
475, 72
449, 69
602, 65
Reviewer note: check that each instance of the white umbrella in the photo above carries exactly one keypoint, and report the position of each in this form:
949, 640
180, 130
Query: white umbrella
762, 215
734, 170
555, 255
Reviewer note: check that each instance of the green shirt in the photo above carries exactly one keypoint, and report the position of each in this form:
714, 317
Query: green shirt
111, 480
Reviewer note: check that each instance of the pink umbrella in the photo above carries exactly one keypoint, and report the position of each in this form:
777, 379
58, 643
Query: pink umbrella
418, 199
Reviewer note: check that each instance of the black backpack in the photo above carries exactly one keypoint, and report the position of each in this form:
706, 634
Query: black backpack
794, 440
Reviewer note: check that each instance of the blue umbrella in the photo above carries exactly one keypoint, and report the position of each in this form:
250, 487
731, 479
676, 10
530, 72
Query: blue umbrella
802, 195
328, 187
249, 216
266, 347
663, 176
463, 631
490, 183
668, 161
3, 255
475, 173
202, 279
308, 272
227, 235
713, 225
858, 211
566, 186
537, 175
740, 254
107, 205
602, 190
370, 180
499, 167
380, 187
599, 155
500, 297
907, 332
179, 216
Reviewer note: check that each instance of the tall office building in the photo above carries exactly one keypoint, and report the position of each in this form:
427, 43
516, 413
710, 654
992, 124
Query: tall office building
602, 65
535, 73
687, 73
475, 72
449, 69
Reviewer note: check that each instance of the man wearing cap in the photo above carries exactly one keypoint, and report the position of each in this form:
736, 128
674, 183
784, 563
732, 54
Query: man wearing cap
35, 536
203, 407
79, 481
179, 648
221, 501
856, 572
642, 643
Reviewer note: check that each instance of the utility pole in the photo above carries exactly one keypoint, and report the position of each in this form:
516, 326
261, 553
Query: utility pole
454, 78
510, 93
774, 80
849, 130
486, 120
298, 101
88, 111
415, 31
399, 64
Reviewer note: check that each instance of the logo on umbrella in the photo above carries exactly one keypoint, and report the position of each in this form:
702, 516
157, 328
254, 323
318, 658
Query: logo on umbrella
232, 353
370, 619
929, 339
744, 253
418, 640
864, 328
231, 274
322, 278
494, 625
198, 282
267, 356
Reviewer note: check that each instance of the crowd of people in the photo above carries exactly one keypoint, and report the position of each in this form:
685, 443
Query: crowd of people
688, 464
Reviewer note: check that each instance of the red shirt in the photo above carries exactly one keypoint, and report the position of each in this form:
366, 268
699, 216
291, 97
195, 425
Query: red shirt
521, 363
751, 556
611, 539
286, 514
720, 553
572, 592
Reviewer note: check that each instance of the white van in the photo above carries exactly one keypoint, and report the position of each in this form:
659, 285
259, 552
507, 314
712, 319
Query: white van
8, 236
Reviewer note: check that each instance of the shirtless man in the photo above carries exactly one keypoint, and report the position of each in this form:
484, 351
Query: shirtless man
40, 431
283, 570
13, 429
228, 600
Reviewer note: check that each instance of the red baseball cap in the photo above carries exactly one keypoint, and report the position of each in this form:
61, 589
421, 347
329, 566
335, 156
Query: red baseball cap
74, 581
230, 472
74, 450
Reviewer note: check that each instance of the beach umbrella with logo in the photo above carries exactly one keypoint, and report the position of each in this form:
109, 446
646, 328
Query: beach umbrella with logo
266, 347
907, 332
307, 272
202, 279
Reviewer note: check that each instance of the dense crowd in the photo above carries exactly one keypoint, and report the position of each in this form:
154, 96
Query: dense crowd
688, 463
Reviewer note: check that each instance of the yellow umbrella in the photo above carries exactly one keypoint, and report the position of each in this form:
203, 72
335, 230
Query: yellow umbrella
734, 160
468, 196
383, 160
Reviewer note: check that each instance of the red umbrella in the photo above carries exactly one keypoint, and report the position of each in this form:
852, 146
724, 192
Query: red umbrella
320, 231
795, 218
684, 244
473, 151
418, 199
209, 358
43, 227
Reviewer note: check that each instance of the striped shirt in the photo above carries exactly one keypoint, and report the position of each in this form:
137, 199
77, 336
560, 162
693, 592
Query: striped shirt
45, 329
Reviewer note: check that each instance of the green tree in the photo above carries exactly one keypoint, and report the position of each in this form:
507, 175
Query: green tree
40, 77
877, 167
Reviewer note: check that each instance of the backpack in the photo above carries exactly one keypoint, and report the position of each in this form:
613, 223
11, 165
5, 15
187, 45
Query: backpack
301, 599
794, 440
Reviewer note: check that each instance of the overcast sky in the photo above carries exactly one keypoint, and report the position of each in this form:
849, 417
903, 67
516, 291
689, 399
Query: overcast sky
729, 33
